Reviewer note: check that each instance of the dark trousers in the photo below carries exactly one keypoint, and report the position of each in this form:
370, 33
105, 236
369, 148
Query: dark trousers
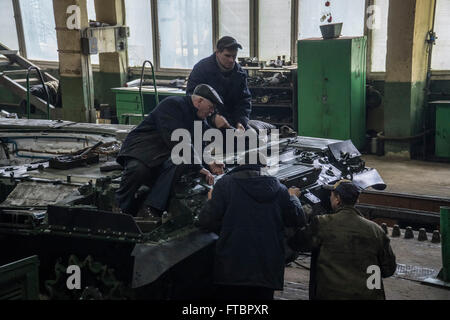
243, 293
135, 175
160, 179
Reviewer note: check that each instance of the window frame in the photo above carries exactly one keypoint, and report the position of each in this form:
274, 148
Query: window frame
437, 73
19, 28
156, 41
371, 75
254, 26
254, 45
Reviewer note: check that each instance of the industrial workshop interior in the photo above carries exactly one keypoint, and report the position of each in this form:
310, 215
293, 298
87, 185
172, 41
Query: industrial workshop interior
224, 151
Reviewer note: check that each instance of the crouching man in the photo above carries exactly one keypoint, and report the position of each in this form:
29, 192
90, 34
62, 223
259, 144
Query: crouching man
350, 254
146, 152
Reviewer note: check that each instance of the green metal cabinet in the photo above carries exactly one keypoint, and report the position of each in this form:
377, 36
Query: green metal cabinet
332, 88
128, 102
442, 142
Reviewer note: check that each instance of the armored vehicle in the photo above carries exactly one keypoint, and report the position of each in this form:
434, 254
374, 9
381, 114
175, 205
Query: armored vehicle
57, 184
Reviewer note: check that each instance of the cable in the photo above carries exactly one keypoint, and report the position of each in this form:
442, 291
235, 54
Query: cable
420, 135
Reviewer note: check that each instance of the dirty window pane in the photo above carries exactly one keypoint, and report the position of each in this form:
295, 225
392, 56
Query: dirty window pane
274, 29
234, 21
39, 29
92, 17
139, 19
8, 33
185, 32
350, 12
441, 51
91, 10
378, 22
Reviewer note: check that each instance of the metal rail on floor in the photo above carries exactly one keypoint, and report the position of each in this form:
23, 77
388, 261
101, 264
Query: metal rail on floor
403, 209
406, 201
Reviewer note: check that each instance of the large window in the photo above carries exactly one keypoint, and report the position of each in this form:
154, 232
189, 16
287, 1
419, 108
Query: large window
92, 17
234, 20
377, 22
8, 34
185, 28
274, 35
185, 32
350, 12
39, 29
139, 19
441, 51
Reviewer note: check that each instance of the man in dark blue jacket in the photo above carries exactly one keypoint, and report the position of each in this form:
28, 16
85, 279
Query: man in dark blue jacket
221, 72
250, 211
146, 152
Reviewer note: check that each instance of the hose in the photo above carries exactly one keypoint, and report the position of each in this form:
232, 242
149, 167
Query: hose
11, 140
418, 136
16, 151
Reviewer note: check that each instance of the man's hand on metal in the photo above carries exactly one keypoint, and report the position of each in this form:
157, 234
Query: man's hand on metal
293, 191
240, 127
217, 168
208, 176
221, 123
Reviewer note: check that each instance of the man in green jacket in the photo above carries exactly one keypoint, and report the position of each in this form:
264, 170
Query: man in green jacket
350, 254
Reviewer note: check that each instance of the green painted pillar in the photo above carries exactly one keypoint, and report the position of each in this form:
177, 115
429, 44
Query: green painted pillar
445, 243
74, 67
406, 70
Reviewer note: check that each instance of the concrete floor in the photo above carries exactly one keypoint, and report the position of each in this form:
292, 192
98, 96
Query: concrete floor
415, 260
412, 176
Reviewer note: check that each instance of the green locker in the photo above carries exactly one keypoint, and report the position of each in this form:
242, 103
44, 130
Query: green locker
443, 129
332, 88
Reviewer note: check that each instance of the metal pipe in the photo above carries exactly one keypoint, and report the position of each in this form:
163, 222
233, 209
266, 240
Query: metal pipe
45, 137
28, 90
11, 140
154, 85
18, 155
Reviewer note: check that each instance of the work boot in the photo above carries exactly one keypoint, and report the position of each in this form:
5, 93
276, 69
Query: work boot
149, 213
141, 192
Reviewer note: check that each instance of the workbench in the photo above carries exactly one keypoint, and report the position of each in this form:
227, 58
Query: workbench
128, 101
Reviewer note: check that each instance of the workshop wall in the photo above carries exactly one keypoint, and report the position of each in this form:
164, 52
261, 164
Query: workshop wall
439, 90
103, 82
375, 116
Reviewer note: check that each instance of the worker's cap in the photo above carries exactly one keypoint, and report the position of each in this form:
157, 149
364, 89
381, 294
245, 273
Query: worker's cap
345, 188
208, 92
227, 42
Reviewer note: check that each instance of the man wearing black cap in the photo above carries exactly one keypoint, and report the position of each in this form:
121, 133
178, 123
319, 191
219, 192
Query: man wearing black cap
146, 152
221, 72
346, 248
